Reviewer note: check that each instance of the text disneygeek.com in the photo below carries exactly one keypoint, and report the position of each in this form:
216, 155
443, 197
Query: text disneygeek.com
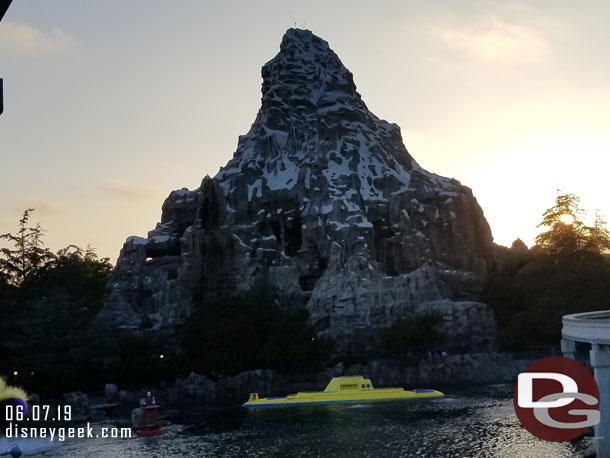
61, 433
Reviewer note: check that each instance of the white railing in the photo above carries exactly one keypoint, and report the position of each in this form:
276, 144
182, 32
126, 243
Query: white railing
592, 327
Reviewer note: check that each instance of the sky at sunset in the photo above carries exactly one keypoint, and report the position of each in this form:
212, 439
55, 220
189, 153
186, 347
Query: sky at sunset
110, 105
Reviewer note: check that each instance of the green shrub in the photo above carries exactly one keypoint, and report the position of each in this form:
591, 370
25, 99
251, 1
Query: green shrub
530, 302
412, 335
249, 330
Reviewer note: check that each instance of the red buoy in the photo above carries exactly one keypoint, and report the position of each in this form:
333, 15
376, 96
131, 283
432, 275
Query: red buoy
151, 432
150, 422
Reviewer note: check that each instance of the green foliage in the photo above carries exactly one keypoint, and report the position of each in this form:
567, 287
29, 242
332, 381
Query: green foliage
28, 254
48, 301
529, 303
566, 272
248, 331
6, 289
569, 238
562, 238
598, 237
139, 360
76, 273
408, 335
135, 348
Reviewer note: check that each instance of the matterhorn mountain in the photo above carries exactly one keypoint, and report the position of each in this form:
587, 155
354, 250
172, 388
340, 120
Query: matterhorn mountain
322, 200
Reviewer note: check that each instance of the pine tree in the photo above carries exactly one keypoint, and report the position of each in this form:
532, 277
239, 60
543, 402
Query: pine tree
566, 233
29, 254
598, 237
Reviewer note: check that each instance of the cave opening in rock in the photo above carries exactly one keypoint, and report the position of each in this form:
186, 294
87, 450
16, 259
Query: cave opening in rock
322, 265
158, 252
208, 211
293, 236
308, 282
277, 230
382, 230
317, 269
384, 252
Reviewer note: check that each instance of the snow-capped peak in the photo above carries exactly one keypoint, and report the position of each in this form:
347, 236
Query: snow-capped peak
313, 130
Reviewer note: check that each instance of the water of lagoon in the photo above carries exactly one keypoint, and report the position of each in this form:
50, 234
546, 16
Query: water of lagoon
477, 421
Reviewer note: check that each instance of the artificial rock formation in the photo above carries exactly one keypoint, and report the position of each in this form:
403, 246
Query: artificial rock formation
322, 200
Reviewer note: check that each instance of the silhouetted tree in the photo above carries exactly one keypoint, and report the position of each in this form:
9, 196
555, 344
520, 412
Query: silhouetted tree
566, 233
28, 254
564, 273
598, 237
47, 303
74, 272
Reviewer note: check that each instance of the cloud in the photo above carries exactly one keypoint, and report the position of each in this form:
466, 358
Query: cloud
24, 39
491, 39
130, 191
41, 206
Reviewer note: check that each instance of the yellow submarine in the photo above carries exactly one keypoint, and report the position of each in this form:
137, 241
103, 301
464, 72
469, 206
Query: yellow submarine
342, 389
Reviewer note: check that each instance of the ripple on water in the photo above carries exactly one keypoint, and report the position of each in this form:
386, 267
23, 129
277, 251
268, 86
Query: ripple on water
475, 422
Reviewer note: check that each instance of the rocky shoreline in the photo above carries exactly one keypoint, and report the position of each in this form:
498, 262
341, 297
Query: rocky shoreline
433, 370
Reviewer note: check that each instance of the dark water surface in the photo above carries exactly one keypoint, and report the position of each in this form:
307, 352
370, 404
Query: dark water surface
468, 422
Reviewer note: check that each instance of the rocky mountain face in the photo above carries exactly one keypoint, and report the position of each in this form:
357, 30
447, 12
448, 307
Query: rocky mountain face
322, 200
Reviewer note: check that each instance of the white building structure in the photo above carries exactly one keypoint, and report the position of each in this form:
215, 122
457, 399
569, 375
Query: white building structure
593, 328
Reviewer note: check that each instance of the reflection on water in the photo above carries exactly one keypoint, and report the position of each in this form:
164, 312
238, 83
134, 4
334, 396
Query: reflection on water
473, 422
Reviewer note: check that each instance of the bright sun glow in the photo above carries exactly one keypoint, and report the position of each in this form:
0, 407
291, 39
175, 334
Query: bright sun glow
566, 218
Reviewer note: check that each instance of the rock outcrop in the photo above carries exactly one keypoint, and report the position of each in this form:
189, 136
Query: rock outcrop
322, 200
435, 369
